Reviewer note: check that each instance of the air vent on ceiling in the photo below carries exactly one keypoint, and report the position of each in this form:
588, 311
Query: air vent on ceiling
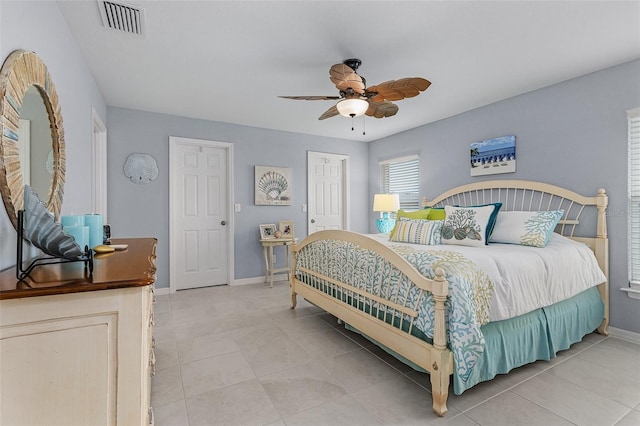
122, 17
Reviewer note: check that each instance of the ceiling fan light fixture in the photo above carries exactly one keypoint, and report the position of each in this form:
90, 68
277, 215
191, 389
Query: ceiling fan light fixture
353, 107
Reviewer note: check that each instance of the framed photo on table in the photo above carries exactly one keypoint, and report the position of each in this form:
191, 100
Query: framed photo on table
286, 228
267, 231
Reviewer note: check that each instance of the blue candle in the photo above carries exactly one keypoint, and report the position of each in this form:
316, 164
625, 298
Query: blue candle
94, 221
79, 233
72, 220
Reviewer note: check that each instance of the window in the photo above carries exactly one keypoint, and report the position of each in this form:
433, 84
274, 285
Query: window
634, 198
402, 176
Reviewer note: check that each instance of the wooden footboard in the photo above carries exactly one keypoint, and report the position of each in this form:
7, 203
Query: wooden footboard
387, 318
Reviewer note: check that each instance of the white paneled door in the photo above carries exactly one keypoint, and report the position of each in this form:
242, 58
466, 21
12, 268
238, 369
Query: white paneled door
99, 170
199, 206
327, 174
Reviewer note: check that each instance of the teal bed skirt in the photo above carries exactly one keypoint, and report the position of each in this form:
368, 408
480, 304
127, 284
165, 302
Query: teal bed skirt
538, 335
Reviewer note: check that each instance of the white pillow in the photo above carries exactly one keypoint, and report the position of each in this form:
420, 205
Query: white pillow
525, 228
417, 231
466, 226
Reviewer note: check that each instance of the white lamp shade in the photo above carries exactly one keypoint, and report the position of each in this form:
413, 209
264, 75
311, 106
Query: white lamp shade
353, 107
386, 202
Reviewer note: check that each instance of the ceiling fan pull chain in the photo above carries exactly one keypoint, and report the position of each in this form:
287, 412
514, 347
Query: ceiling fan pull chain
363, 125
352, 116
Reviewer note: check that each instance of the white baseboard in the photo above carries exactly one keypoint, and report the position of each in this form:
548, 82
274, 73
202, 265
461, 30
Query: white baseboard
629, 336
243, 281
258, 280
162, 291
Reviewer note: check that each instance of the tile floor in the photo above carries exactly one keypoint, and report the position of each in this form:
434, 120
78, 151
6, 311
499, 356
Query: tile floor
240, 356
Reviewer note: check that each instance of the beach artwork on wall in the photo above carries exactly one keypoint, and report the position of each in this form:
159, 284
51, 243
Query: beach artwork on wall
272, 186
493, 156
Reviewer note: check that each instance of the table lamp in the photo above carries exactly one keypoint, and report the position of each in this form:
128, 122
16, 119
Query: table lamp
385, 203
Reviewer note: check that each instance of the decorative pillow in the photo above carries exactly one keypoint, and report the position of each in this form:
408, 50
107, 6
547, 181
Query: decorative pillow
466, 226
492, 219
525, 228
436, 213
417, 214
412, 231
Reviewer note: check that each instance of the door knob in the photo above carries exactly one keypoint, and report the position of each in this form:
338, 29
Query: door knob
313, 221
224, 222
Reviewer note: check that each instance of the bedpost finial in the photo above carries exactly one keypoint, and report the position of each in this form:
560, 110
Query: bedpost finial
441, 287
603, 199
602, 203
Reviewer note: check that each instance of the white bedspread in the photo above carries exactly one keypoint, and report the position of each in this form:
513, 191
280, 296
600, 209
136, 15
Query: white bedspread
528, 278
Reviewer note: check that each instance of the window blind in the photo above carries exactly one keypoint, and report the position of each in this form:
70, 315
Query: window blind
402, 176
634, 196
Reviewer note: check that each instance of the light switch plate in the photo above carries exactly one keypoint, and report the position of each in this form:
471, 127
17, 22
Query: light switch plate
237, 208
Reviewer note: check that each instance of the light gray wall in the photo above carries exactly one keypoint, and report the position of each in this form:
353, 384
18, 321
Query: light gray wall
143, 210
39, 26
573, 134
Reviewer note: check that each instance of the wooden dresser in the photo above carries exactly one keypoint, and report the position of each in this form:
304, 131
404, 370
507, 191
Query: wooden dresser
78, 350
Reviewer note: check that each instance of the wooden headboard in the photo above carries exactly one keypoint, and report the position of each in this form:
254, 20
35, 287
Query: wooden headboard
531, 196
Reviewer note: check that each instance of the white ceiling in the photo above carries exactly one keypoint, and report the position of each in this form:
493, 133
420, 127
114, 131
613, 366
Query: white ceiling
229, 60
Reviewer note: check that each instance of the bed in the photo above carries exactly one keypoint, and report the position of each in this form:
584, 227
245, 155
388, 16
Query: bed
451, 310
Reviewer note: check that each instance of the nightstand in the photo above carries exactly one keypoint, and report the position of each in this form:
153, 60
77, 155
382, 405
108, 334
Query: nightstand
267, 250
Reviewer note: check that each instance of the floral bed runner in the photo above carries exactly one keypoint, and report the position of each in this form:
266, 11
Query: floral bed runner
467, 305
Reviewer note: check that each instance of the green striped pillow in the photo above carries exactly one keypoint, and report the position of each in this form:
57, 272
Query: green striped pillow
427, 232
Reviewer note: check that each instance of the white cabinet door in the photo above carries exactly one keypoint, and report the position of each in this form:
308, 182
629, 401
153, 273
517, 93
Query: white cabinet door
62, 370
76, 359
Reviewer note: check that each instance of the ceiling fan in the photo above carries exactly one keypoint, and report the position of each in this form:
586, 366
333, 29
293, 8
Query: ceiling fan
357, 99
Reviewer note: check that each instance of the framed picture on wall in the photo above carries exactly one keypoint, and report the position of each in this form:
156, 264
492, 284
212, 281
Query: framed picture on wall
493, 156
286, 228
267, 231
272, 186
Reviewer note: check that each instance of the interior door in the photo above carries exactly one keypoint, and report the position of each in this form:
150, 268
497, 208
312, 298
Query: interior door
99, 170
327, 177
199, 205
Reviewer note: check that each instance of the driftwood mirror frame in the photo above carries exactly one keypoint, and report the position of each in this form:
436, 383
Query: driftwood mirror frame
21, 70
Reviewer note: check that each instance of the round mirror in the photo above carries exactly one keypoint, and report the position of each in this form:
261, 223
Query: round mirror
34, 144
27, 93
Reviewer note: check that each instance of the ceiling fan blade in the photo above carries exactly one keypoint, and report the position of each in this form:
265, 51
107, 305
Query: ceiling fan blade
395, 90
381, 109
344, 77
329, 113
311, 98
